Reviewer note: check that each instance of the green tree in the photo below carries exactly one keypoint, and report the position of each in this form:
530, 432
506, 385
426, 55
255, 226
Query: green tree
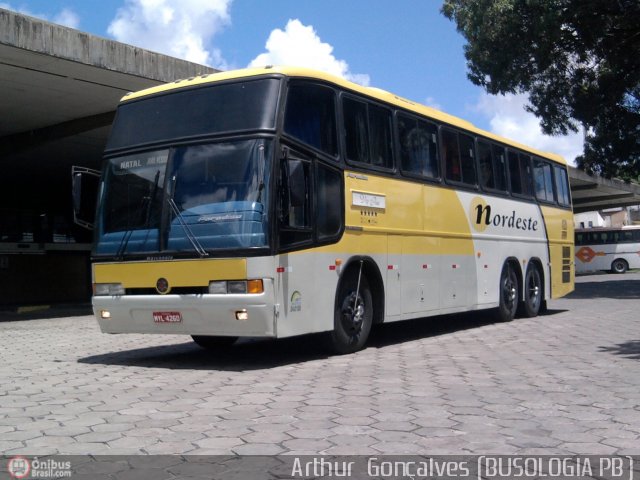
578, 60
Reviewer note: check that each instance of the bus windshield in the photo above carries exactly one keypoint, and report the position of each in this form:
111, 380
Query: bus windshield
194, 113
210, 196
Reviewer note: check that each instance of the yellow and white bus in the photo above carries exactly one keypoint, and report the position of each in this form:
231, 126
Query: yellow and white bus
283, 201
613, 249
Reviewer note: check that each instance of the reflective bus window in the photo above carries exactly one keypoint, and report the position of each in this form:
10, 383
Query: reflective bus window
368, 134
543, 180
418, 152
500, 167
457, 150
562, 186
520, 173
328, 202
310, 116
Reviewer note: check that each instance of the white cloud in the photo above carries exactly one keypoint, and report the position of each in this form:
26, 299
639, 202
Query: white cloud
300, 45
180, 28
433, 103
508, 118
66, 16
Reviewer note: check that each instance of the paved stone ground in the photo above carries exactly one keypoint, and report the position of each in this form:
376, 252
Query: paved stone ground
566, 382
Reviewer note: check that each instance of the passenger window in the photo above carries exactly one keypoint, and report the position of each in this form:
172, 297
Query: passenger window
520, 174
368, 133
486, 175
467, 162
543, 180
328, 202
500, 168
295, 201
457, 150
451, 154
562, 186
418, 148
310, 116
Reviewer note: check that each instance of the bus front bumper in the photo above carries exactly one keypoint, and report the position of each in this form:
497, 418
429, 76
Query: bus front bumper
250, 315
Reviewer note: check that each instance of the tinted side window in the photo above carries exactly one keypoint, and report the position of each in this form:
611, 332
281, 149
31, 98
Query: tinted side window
368, 133
417, 147
356, 130
562, 186
457, 150
543, 180
451, 155
467, 163
310, 116
328, 202
500, 167
520, 174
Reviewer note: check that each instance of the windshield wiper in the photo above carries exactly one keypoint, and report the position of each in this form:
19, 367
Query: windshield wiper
189, 234
261, 166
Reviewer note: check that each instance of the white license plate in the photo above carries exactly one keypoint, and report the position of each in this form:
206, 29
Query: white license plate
167, 317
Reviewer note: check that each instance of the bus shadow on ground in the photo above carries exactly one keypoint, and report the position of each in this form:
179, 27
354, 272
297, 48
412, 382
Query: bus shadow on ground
630, 350
614, 289
256, 354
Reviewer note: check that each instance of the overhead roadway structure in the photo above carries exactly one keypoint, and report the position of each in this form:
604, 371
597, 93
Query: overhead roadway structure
59, 88
596, 193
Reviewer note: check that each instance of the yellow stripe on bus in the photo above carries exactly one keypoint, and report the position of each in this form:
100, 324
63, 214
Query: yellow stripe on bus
179, 273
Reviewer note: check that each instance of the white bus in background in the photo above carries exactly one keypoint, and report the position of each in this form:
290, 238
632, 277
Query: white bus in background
613, 249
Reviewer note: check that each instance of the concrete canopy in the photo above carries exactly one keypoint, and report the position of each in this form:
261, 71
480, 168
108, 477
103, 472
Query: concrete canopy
59, 88
595, 193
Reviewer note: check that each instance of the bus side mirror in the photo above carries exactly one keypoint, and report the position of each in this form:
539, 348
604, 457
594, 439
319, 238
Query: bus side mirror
84, 190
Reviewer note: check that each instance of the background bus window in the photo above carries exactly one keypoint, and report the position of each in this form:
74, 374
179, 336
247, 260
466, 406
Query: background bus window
417, 147
310, 116
543, 180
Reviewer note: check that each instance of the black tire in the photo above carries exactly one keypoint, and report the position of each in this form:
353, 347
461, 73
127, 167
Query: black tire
619, 265
353, 315
213, 342
533, 292
508, 303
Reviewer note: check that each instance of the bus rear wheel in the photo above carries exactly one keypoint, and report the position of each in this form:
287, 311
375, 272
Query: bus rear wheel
209, 342
508, 303
353, 315
533, 292
619, 266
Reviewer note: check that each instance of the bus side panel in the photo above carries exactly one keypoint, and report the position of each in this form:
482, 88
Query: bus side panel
559, 225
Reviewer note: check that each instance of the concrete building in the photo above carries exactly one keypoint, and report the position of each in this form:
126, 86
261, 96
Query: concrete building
59, 89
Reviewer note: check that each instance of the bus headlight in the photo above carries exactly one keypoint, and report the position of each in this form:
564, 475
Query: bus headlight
236, 286
101, 289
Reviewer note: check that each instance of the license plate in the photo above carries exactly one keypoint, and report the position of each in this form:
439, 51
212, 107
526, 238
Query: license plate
167, 317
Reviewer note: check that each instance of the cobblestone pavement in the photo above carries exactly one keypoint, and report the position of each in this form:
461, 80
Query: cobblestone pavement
562, 383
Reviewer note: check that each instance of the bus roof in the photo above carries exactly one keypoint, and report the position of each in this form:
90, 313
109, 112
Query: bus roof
371, 92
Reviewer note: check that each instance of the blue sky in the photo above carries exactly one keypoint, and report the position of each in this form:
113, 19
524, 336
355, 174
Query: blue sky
405, 46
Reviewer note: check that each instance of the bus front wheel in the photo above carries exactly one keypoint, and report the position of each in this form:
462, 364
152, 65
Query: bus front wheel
619, 266
209, 342
508, 303
353, 314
